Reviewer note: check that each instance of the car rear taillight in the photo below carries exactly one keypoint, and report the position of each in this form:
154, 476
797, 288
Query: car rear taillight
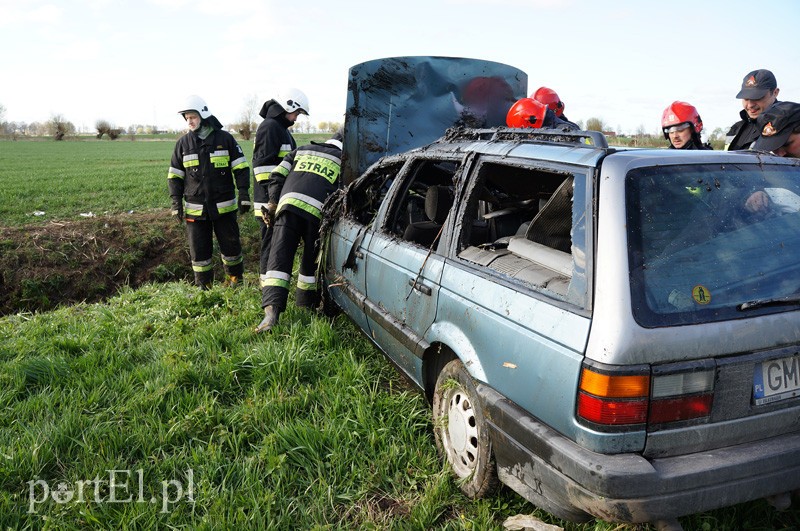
681, 396
615, 397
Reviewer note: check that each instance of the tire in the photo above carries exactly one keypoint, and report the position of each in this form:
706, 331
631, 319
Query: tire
461, 431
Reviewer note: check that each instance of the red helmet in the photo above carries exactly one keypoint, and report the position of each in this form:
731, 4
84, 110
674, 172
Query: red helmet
549, 97
526, 113
681, 112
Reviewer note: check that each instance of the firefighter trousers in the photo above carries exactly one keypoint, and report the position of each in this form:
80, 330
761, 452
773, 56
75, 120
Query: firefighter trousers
266, 239
289, 229
201, 247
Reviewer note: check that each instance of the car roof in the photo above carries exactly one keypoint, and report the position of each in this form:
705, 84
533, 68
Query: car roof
574, 147
582, 148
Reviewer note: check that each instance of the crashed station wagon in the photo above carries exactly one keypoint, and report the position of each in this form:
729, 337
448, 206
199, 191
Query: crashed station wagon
612, 333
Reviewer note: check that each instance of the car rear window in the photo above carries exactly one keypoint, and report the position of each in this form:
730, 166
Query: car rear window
706, 242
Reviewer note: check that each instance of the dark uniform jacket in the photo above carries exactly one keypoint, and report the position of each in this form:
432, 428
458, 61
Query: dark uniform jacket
202, 171
743, 133
306, 177
273, 142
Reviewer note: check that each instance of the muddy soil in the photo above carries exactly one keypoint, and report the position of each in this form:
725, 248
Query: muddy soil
43, 266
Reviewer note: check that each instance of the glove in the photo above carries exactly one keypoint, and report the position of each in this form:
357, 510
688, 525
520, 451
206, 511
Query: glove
268, 213
244, 202
177, 211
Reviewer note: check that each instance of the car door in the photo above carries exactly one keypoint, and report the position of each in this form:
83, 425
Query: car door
404, 265
514, 299
354, 214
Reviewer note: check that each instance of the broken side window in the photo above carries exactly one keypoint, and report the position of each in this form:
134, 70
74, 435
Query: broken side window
419, 211
530, 224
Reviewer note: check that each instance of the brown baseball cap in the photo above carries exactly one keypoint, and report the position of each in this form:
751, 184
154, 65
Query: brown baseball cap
776, 124
757, 84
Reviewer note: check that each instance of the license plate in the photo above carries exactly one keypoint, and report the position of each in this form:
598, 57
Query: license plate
775, 380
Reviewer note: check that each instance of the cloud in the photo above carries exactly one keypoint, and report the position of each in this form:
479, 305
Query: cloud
14, 15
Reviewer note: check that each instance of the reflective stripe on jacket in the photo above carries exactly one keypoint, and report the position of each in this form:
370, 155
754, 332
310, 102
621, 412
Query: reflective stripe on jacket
306, 177
206, 173
273, 142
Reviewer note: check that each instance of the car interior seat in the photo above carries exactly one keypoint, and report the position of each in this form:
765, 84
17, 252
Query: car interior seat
438, 201
553, 223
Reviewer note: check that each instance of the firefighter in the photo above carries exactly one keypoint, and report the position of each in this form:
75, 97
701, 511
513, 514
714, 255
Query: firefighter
682, 125
531, 113
273, 142
759, 91
548, 97
299, 186
206, 169
780, 130
527, 112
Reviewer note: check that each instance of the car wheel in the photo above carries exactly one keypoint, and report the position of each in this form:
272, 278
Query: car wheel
462, 435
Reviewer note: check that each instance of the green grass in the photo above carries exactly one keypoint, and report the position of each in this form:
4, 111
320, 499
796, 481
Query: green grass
308, 428
69, 178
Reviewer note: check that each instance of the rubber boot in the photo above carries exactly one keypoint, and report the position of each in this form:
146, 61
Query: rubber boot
204, 279
271, 315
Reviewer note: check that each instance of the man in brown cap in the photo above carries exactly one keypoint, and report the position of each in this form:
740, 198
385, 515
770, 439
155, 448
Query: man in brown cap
780, 130
759, 91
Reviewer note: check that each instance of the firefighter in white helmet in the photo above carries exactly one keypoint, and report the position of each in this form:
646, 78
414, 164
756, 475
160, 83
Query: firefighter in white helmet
273, 142
206, 170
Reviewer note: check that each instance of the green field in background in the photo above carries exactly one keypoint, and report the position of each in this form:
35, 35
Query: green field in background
47, 180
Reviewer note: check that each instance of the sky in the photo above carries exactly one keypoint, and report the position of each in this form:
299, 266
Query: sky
134, 62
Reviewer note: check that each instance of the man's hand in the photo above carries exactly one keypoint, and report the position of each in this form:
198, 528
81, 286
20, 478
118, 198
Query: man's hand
244, 202
758, 202
268, 213
177, 212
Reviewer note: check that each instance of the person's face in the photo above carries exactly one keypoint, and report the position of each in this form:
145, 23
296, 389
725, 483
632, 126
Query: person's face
680, 135
755, 107
791, 148
292, 116
192, 120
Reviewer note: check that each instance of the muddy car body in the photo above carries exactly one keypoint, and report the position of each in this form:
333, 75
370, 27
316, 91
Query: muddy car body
610, 332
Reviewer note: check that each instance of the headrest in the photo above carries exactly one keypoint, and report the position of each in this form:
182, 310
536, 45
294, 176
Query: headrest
438, 200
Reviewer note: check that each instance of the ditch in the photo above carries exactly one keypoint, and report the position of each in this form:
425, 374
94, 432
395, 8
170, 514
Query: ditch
47, 265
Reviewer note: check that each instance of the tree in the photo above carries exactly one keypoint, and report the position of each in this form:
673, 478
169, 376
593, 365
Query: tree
247, 120
103, 128
595, 124
717, 138
328, 127
58, 127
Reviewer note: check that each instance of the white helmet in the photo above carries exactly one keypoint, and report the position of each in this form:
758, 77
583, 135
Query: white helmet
293, 99
197, 104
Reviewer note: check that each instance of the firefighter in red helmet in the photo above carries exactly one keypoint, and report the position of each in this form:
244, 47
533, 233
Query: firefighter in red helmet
528, 112
682, 125
548, 97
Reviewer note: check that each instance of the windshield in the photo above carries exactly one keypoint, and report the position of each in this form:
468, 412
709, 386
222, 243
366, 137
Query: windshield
707, 241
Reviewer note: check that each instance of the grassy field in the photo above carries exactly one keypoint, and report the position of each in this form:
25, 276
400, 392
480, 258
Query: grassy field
47, 180
159, 408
